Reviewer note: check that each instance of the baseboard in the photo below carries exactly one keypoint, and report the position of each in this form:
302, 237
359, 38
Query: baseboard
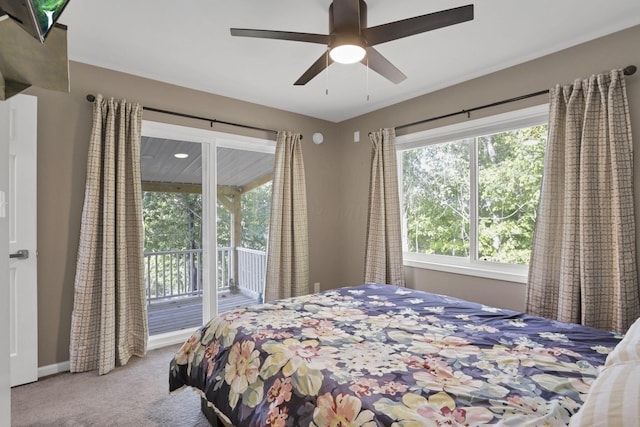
169, 338
155, 342
56, 368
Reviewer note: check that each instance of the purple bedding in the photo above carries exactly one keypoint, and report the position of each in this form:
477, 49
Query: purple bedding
380, 355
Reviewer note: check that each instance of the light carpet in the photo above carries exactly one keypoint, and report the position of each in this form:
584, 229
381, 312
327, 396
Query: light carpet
133, 395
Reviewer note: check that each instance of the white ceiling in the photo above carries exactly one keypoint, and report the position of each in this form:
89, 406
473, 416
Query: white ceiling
188, 43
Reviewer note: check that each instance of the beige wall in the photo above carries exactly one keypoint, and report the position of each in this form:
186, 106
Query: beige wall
337, 171
64, 124
615, 51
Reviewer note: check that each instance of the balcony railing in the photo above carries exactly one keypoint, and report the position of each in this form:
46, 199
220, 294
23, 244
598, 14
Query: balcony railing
226, 259
252, 271
178, 274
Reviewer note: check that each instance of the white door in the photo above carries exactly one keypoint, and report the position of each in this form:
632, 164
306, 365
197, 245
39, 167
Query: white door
5, 391
22, 204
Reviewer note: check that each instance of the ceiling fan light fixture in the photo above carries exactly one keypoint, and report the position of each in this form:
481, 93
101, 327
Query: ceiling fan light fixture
350, 39
347, 53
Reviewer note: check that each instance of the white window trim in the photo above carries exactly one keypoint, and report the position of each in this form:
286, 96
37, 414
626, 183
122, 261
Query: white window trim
487, 125
465, 266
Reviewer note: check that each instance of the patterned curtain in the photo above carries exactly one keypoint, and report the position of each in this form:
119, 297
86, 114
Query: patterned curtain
287, 251
109, 321
583, 261
383, 254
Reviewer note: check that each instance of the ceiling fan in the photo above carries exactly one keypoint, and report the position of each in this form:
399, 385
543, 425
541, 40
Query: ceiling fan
350, 40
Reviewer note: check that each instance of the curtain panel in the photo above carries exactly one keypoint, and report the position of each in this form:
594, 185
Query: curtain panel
109, 321
383, 253
287, 248
583, 261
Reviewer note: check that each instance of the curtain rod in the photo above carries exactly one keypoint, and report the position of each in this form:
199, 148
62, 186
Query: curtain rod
92, 98
628, 71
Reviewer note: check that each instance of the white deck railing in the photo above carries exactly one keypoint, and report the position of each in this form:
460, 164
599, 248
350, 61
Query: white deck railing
225, 267
173, 274
178, 274
252, 271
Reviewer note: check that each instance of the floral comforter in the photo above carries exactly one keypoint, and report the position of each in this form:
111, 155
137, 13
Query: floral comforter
380, 355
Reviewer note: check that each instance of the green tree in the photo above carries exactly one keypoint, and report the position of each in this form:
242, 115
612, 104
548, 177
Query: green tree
223, 226
172, 221
436, 198
255, 207
509, 181
255, 210
436, 192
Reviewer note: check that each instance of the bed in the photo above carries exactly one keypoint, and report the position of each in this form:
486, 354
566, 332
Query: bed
381, 355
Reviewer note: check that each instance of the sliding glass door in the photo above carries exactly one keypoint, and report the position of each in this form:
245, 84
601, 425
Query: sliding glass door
243, 204
206, 197
173, 251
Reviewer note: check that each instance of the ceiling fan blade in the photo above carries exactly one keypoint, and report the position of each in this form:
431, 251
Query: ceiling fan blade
314, 70
281, 35
419, 24
345, 16
382, 66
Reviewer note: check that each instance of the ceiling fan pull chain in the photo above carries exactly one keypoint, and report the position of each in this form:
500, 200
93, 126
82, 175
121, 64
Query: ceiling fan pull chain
327, 59
367, 79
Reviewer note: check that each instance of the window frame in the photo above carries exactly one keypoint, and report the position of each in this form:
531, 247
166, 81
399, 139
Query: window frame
471, 266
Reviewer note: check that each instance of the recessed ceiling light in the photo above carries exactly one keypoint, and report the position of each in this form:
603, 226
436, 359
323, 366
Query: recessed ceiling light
181, 155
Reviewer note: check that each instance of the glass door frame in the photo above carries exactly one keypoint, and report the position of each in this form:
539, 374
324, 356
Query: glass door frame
210, 141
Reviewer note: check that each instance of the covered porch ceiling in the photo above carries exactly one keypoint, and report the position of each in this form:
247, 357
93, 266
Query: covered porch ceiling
238, 169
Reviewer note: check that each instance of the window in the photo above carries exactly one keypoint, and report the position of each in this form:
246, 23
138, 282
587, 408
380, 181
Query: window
470, 193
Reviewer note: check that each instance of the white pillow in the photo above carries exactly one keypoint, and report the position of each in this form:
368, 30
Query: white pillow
628, 349
613, 399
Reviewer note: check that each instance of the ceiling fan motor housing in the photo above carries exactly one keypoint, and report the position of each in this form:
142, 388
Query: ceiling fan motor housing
345, 31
